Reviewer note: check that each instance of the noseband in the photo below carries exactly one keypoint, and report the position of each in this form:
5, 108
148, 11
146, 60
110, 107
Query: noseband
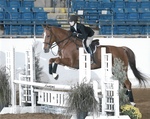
48, 43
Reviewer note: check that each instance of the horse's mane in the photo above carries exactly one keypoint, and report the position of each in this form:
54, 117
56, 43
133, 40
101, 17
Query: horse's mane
64, 31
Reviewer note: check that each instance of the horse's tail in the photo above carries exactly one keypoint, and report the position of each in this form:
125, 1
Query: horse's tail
131, 58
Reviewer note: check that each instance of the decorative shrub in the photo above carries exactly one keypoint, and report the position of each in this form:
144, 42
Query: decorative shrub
131, 111
5, 92
81, 98
119, 74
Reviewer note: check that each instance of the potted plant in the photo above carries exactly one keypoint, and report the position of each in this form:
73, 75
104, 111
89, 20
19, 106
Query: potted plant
81, 100
131, 111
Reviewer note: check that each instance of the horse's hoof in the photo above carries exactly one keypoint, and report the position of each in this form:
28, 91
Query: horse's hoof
55, 76
133, 104
50, 72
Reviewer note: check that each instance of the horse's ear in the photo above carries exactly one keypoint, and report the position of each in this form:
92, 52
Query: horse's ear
2, 27
44, 26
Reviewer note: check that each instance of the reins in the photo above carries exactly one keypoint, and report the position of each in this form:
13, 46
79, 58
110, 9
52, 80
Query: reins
61, 41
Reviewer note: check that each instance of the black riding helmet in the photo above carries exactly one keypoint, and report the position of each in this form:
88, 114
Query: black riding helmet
73, 18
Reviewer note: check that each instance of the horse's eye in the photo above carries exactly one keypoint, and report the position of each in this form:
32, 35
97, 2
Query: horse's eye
48, 36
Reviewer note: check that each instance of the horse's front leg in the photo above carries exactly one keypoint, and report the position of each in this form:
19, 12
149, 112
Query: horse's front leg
53, 67
51, 61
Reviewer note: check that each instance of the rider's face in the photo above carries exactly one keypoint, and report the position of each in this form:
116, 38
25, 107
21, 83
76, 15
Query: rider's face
72, 23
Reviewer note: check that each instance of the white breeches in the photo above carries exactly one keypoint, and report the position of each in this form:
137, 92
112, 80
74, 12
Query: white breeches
88, 41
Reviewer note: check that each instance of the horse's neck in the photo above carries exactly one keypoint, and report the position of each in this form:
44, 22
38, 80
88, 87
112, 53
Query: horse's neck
61, 34
65, 38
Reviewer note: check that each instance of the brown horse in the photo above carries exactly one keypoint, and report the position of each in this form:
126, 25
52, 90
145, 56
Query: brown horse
69, 54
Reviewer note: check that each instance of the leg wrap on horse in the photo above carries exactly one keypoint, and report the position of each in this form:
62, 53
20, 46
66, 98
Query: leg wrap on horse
131, 99
54, 68
50, 68
54, 71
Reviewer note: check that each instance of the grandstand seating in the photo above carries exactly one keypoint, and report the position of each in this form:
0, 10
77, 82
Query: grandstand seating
26, 15
132, 16
12, 14
38, 30
106, 4
132, 4
27, 3
119, 4
119, 16
14, 3
39, 15
26, 30
20, 17
126, 16
144, 14
2, 15
3, 3
105, 30
121, 30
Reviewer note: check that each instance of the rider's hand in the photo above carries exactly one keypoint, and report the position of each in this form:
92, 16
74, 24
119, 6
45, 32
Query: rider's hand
74, 34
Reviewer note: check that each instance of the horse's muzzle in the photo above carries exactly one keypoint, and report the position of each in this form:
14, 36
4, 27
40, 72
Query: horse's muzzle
46, 50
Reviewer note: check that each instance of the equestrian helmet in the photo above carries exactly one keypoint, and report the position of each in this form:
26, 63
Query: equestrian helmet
73, 18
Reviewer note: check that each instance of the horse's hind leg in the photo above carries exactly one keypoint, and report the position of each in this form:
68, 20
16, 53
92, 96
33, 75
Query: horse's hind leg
128, 85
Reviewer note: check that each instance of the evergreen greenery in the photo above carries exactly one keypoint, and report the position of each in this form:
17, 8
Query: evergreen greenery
81, 98
119, 73
5, 92
38, 69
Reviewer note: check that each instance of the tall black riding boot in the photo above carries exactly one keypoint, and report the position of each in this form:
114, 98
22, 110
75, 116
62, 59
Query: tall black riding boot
50, 69
92, 55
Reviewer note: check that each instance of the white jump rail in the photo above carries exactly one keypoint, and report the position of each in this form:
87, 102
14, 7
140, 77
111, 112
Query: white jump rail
84, 66
52, 94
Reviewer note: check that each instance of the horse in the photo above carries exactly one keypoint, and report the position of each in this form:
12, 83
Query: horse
68, 51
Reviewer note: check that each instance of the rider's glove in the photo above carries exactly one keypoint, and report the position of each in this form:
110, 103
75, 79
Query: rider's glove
74, 34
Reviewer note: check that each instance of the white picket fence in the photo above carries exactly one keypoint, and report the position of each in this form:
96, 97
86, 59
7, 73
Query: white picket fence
53, 95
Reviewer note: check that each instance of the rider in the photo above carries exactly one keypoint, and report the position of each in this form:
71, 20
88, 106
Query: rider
82, 32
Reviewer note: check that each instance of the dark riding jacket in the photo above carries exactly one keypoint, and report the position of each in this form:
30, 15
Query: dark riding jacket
83, 31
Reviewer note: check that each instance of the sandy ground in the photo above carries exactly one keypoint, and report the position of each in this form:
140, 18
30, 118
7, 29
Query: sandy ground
142, 99
141, 95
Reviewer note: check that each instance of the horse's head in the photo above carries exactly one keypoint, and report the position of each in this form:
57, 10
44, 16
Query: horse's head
55, 34
49, 38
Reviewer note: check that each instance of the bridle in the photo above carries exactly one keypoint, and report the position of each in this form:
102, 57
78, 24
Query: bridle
57, 41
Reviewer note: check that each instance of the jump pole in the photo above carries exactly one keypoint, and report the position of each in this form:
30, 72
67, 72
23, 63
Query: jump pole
107, 79
84, 66
10, 68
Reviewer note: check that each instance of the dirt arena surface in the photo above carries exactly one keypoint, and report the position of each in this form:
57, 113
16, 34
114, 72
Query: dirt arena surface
142, 100
141, 95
